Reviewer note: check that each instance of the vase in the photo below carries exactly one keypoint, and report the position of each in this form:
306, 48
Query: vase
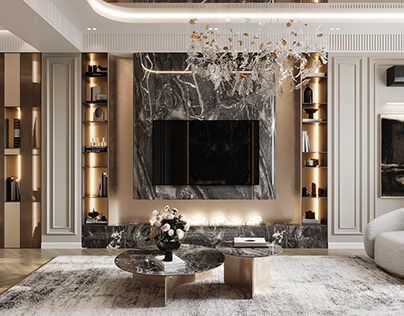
308, 95
168, 247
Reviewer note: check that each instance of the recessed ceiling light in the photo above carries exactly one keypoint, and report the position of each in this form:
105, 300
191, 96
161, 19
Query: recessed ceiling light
94, 28
332, 29
89, 29
337, 29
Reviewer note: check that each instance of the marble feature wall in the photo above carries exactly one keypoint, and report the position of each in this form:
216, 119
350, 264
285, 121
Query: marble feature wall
182, 96
133, 235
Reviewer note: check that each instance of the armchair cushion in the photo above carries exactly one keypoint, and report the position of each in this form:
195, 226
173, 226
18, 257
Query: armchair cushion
389, 252
392, 221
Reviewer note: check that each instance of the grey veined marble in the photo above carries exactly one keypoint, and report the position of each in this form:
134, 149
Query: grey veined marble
133, 235
227, 248
183, 96
197, 259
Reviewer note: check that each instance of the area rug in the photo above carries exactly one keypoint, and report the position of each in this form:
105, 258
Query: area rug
299, 285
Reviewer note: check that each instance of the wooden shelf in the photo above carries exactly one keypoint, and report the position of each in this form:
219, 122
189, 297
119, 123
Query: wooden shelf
95, 167
22, 164
316, 130
99, 163
101, 76
98, 102
314, 123
320, 75
311, 197
12, 151
313, 105
94, 197
95, 122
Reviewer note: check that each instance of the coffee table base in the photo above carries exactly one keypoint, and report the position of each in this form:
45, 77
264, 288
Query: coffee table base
170, 283
247, 273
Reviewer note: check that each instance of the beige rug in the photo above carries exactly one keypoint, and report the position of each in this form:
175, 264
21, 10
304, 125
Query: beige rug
300, 285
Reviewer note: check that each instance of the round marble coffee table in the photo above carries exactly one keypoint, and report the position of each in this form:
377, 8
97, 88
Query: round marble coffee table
247, 267
141, 262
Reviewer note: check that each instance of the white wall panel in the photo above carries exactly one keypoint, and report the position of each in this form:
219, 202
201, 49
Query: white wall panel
61, 148
348, 139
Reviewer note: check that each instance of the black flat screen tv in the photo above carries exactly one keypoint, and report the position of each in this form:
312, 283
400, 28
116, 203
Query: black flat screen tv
214, 152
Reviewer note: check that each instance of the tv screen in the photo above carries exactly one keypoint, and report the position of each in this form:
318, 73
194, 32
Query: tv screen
221, 152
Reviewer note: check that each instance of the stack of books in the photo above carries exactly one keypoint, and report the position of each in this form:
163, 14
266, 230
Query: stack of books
170, 266
250, 242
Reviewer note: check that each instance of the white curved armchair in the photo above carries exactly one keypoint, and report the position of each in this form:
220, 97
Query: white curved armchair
384, 241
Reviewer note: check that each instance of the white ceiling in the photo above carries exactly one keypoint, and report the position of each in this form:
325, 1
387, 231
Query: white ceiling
61, 25
82, 16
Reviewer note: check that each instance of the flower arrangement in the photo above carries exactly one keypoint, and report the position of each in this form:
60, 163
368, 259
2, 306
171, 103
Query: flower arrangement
167, 226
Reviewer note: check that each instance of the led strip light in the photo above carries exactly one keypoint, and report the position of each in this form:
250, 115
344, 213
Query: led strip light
207, 12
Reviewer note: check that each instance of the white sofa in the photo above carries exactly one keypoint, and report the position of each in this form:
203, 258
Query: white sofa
384, 241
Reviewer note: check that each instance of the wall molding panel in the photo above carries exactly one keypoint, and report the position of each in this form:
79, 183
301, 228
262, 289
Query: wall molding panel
179, 42
348, 151
11, 43
61, 150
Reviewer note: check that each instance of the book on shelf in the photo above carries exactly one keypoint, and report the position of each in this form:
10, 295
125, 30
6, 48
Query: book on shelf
93, 92
103, 185
249, 242
13, 191
34, 134
6, 136
306, 142
170, 266
17, 133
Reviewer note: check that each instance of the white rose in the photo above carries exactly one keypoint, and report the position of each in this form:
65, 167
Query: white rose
165, 227
169, 216
155, 213
180, 233
186, 227
159, 218
170, 232
157, 223
166, 208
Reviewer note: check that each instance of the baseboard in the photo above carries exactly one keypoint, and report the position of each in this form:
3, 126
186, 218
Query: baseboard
61, 245
346, 245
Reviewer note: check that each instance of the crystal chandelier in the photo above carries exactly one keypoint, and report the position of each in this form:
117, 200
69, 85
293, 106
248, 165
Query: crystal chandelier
251, 67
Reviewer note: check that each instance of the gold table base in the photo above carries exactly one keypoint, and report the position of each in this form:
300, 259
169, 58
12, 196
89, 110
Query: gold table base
247, 273
170, 283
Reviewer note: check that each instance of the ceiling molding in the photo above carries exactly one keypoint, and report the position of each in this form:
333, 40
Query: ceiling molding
253, 12
179, 42
9, 43
51, 14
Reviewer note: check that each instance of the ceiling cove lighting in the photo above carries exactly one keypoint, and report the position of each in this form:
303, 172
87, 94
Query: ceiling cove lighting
183, 14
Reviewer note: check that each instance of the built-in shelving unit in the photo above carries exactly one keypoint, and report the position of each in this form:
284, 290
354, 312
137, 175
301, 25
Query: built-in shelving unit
20, 210
95, 131
314, 157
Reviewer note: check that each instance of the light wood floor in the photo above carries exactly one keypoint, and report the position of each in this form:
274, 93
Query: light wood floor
17, 264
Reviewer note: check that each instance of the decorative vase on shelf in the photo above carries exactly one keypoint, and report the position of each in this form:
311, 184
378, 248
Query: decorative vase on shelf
168, 247
308, 95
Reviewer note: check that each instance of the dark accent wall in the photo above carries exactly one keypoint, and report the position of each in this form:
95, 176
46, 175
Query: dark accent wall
184, 96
